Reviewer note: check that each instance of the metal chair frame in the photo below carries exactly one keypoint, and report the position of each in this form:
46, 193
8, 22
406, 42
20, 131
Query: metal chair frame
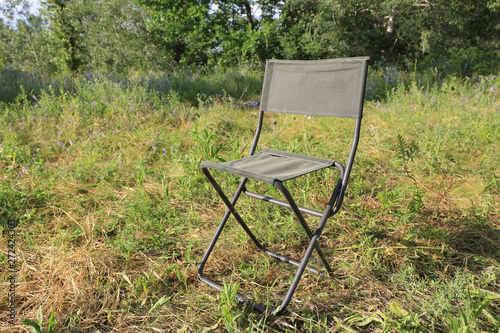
333, 206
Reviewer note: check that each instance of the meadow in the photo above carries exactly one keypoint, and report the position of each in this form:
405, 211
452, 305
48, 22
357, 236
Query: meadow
103, 174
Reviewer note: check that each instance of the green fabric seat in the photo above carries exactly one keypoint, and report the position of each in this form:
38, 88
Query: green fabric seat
269, 165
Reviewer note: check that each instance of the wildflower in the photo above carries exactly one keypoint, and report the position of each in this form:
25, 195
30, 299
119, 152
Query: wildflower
34, 97
103, 136
163, 151
10, 130
70, 142
25, 170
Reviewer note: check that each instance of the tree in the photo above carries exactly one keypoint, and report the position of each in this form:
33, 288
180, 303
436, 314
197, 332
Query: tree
182, 28
66, 33
109, 34
220, 31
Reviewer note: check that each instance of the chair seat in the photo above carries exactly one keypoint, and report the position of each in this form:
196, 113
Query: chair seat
270, 165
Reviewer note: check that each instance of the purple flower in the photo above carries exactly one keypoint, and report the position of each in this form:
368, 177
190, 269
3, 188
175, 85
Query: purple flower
25, 170
103, 136
34, 97
10, 130
70, 142
163, 151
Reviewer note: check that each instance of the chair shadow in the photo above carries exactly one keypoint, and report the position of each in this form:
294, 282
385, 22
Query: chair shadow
470, 243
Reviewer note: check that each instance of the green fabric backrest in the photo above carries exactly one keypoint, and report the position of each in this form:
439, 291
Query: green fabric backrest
330, 87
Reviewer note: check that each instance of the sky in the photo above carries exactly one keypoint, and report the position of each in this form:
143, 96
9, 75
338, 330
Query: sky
34, 4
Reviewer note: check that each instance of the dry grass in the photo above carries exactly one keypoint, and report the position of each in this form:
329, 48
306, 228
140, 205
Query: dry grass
112, 231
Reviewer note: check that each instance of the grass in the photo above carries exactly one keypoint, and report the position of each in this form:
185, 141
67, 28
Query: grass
115, 213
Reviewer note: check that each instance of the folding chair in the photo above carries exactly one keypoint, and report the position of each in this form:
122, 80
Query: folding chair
332, 87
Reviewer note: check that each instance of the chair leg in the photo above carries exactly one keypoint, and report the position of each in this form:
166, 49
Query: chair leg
230, 206
231, 210
303, 223
312, 245
298, 275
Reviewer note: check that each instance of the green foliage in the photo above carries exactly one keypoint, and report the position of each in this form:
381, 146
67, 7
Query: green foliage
126, 36
182, 28
37, 326
106, 35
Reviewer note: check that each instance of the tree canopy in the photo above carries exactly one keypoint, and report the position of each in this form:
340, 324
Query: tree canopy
150, 34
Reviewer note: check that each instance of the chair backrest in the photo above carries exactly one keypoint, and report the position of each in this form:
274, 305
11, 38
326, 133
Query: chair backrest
331, 87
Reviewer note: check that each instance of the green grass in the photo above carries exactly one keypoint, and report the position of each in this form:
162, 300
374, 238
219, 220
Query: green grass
115, 212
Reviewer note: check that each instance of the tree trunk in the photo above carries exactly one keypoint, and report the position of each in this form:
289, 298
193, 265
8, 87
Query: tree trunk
248, 10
